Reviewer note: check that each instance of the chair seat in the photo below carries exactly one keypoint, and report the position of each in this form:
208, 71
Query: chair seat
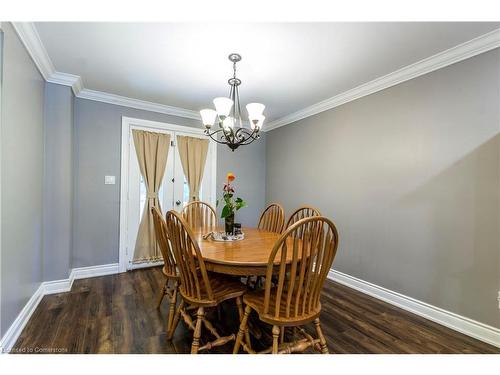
223, 288
255, 300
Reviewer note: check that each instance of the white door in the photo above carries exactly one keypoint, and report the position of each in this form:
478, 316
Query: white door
173, 193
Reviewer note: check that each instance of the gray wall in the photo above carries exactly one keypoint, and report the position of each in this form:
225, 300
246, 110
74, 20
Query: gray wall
410, 175
97, 151
58, 186
248, 164
22, 168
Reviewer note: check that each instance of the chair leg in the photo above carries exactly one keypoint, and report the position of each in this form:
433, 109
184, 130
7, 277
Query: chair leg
197, 331
175, 321
162, 293
239, 304
171, 308
322, 341
276, 334
243, 329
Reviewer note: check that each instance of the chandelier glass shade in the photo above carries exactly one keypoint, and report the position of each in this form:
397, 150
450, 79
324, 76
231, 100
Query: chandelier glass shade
225, 124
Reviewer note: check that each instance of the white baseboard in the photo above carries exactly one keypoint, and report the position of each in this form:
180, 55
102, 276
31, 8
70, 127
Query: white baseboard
50, 287
61, 286
469, 327
10, 337
94, 271
57, 286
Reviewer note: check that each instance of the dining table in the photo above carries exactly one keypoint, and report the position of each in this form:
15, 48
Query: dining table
246, 257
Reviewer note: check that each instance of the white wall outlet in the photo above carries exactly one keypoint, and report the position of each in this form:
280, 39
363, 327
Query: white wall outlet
109, 180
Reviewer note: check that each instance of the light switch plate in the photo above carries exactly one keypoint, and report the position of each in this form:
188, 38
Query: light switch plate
109, 180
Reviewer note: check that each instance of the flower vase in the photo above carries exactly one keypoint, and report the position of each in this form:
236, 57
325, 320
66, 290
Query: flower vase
229, 222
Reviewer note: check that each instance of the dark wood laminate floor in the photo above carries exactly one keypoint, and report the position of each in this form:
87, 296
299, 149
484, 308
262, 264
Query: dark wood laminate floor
117, 314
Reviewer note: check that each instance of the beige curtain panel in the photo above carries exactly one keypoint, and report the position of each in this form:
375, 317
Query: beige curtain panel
152, 151
193, 153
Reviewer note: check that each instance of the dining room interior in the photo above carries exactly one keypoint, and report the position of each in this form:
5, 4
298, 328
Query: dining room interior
254, 188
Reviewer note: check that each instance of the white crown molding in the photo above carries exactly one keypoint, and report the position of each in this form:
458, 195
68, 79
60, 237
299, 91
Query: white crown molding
453, 55
66, 79
137, 103
31, 40
469, 327
50, 287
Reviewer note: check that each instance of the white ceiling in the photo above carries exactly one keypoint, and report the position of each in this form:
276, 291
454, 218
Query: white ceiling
287, 66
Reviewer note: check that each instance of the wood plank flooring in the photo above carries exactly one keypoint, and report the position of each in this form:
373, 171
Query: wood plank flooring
117, 314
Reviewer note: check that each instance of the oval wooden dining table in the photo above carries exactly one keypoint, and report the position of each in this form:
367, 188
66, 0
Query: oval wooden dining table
239, 258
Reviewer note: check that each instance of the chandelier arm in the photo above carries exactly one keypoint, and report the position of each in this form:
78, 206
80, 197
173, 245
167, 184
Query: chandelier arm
237, 134
247, 135
253, 136
248, 141
245, 131
211, 135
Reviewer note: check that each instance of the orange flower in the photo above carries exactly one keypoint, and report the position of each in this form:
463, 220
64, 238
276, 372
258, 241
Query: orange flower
230, 177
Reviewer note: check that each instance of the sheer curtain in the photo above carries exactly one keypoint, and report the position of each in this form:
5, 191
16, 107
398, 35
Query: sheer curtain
152, 151
193, 153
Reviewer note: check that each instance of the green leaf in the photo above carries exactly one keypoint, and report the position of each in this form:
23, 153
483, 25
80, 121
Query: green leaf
226, 211
240, 203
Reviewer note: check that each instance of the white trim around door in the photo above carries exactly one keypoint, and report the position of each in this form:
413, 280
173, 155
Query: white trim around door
127, 124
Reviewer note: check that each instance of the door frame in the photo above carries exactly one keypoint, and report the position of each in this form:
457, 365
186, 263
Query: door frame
127, 124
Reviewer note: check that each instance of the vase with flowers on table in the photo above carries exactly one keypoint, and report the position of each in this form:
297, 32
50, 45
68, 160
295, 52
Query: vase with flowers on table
231, 205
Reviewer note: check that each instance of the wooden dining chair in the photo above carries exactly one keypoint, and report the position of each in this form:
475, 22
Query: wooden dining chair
294, 300
272, 219
200, 216
169, 268
198, 288
301, 213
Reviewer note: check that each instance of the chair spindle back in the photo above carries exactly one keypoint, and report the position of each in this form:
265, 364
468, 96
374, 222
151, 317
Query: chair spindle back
163, 242
194, 281
301, 213
273, 218
311, 245
200, 216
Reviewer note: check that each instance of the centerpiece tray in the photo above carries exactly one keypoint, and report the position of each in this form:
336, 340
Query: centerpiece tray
224, 237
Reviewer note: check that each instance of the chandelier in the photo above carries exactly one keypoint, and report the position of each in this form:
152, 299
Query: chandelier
227, 114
